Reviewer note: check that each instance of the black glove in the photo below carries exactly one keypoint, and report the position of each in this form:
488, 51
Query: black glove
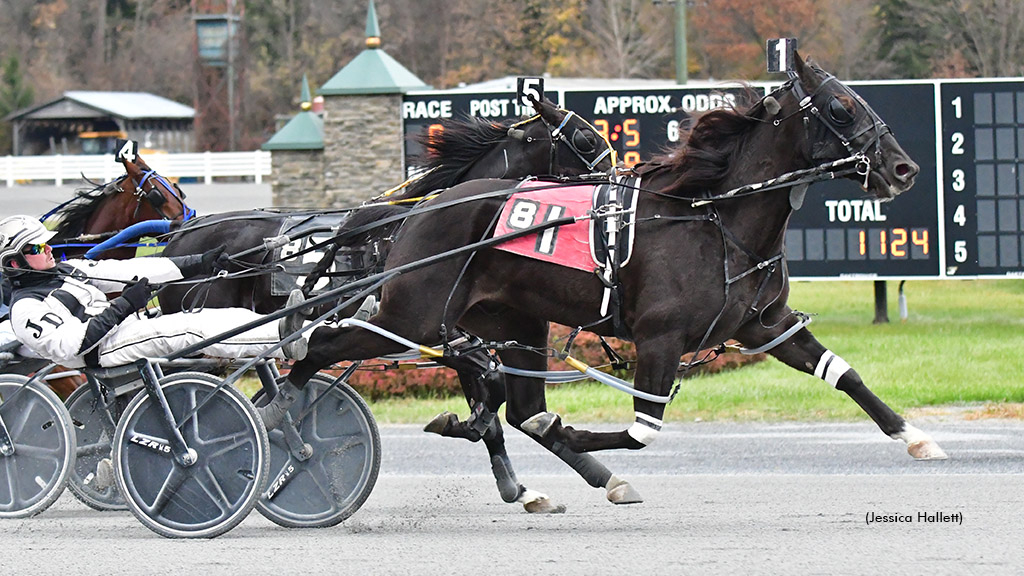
137, 293
222, 262
198, 264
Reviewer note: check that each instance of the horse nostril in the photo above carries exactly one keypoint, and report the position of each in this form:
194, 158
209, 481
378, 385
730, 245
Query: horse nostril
906, 170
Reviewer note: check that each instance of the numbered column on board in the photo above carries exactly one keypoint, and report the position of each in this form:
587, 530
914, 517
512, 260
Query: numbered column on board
983, 195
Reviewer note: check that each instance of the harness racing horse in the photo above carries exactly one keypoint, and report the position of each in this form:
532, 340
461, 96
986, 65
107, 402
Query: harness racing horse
555, 141
139, 195
708, 265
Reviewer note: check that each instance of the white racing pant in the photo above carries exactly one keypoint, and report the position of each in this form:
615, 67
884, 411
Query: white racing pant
162, 336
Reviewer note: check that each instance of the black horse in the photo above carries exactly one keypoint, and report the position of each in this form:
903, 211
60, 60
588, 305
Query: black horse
708, 265
553, 142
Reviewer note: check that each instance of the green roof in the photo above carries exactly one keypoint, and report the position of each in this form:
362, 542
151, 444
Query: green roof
303, 132
373, 72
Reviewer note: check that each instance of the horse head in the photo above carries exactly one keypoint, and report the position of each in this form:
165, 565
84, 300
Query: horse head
553, 142
840, 124
574, 146
156, 197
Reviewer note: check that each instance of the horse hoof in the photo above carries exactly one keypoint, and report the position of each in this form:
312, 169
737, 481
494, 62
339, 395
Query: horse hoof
441, 422
544, 506
622, 492
540, 423
926, 450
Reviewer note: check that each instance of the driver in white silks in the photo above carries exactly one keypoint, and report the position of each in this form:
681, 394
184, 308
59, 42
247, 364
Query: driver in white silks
61, 313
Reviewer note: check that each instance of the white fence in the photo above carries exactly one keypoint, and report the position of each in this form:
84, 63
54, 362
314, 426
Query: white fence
204, 165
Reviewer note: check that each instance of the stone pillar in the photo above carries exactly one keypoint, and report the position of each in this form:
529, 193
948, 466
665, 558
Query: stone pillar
362, 147
297, 178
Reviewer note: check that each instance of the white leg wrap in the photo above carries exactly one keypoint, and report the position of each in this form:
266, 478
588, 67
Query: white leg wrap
645, 429
911, 434
831, 368
530, 496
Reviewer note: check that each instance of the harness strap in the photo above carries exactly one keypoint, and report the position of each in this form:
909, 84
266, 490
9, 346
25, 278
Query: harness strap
804, 321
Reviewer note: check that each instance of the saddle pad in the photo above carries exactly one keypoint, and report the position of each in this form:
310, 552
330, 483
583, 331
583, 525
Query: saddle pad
296, 269
537, 202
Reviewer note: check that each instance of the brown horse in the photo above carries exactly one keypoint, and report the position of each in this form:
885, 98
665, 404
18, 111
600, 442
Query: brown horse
139, 195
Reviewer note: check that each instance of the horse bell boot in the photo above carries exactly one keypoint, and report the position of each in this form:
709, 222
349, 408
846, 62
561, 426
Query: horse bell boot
273, 413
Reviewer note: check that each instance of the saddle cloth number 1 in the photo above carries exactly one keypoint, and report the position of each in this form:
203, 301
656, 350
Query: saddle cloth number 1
566, 245
524, 214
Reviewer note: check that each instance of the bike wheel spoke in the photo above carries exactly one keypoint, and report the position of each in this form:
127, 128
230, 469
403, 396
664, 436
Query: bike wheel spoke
93, 449
211, 486
38, 452
172, 483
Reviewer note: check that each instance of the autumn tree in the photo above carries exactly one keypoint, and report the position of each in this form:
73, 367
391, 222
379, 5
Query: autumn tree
730, 36
956, 38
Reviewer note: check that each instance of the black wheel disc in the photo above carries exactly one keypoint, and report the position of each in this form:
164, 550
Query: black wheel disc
211, 496
334, 482
34, 476
94, 431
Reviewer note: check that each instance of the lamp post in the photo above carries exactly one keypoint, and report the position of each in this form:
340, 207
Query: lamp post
215, 35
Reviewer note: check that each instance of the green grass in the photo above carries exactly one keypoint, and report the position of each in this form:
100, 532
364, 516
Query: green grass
961, 346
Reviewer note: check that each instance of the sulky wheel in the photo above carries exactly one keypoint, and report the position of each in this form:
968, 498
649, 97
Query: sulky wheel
229, 442
341, 470
34, 475
92, 479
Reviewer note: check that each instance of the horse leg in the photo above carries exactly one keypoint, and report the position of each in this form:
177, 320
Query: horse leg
526, 399
803, 352
657, 362
524, 392
484, 389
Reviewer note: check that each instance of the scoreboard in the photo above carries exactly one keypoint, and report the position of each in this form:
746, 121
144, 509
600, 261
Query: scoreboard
964, 217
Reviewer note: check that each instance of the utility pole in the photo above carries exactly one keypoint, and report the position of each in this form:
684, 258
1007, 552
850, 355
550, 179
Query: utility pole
682, 75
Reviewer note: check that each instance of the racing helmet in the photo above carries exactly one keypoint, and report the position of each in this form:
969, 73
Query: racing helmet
16, 232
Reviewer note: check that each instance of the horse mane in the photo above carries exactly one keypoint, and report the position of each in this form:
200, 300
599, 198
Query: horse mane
709, 145
371, 215
452, 151
72, 218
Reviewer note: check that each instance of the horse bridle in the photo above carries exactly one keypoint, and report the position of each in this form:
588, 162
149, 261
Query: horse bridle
156, 198
837, 120
557, 136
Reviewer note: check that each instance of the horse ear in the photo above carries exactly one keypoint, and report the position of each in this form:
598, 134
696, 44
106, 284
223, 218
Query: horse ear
806, 71
128, 166
548, 111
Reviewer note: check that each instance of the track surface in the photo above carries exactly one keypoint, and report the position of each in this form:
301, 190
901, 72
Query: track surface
720, 498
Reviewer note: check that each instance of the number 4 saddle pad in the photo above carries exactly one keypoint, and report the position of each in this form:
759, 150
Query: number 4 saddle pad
582, 245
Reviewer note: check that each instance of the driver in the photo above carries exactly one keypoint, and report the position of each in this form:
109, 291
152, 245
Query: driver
61, 311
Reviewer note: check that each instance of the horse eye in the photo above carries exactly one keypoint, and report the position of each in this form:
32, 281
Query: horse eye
583, 141
839, 113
